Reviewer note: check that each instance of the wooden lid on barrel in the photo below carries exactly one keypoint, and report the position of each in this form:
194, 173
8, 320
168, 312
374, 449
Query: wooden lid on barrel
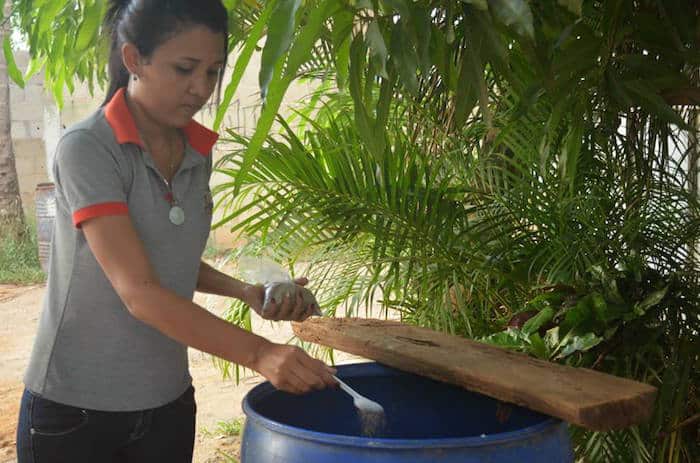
584, 397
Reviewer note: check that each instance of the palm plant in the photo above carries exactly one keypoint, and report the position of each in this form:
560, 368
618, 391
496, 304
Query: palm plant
565, 197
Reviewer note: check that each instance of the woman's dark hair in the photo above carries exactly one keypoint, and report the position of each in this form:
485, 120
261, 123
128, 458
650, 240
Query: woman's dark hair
149, 23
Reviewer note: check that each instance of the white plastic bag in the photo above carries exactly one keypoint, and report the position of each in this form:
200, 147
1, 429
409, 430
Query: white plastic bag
277, 283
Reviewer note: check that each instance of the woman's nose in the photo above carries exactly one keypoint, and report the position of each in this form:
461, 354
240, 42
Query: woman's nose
200, 87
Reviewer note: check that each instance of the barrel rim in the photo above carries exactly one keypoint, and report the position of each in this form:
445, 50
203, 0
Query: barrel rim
385, 443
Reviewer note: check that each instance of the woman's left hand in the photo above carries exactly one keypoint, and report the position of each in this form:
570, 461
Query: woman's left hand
291, 308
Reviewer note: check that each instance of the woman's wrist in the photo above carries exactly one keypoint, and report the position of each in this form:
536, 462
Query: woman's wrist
247, 293
257, 352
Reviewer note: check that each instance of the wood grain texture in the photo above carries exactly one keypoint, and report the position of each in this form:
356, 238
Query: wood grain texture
587, 398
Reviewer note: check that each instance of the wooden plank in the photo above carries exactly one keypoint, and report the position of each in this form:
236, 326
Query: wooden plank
588, 398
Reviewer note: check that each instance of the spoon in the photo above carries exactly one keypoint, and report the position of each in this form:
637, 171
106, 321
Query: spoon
361, 402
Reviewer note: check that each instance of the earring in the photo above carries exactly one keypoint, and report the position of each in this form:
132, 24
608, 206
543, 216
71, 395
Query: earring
135, 77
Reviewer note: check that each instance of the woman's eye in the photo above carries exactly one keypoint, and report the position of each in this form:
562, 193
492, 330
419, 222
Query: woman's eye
213, 72
183, 70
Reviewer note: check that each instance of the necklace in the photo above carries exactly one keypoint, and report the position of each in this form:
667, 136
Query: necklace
176, 214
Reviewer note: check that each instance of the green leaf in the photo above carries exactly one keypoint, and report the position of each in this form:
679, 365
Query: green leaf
512, 338
87, 32
422, 28
581, 313
538, 348
401, 7
468, 85
364, 123
57, 88
12, 69
280, 31
309, 34
480, 4
534, 323
342, 28
551, 338
35, 65
241, 65
305, 41
579, 344
515, 14
377, 47
653, 103
650, 301
568, 163
48, 13
572, 5
404, 57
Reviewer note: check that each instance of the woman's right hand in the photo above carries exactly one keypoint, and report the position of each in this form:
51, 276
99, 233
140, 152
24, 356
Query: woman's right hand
291, 369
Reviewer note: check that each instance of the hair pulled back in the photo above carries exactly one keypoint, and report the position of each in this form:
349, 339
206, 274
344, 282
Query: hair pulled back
149, 23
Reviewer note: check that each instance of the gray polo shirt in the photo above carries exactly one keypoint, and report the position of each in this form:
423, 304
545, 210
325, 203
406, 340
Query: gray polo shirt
90, 352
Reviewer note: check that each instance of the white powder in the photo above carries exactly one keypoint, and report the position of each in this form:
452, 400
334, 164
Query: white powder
372, 423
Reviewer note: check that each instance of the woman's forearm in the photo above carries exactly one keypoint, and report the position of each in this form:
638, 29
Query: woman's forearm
212, 281
190, 324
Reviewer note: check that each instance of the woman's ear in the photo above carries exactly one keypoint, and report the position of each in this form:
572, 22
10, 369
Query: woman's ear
132, 59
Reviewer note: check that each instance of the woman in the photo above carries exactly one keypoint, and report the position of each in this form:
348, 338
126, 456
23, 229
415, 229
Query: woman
108, 378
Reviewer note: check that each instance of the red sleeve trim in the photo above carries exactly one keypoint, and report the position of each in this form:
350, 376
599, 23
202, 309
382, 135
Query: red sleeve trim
99, 210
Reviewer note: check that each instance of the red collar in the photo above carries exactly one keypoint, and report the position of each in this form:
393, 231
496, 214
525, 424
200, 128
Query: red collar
122, 122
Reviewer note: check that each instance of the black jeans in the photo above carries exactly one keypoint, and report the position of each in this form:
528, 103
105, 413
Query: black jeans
57, 433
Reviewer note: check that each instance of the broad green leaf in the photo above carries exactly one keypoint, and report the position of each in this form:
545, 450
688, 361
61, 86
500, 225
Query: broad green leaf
579, 344
280, 82
515, 14
650, 301
581, 313
342, 63
422, 29
401, 7
242, 63
536, 322
309, 34
572, 5
341, 35
480, 4
57, 89
35, 65
377, 47
362, 4
551, 338
48, 13
653, 103
364, 123
404, 57
439, 55
538, 348
494, 48
512, 338
571, 152
12, 69
87, 32
467, 90
280, 31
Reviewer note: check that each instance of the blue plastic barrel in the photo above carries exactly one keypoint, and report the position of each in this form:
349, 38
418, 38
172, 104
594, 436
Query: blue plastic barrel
426, 422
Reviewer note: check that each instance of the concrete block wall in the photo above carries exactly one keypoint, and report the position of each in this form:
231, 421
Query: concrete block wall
28, 107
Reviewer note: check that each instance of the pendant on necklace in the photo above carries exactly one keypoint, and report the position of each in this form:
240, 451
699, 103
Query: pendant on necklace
176, 215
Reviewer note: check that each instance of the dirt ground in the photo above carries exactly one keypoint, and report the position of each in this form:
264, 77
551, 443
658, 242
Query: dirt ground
217, 399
